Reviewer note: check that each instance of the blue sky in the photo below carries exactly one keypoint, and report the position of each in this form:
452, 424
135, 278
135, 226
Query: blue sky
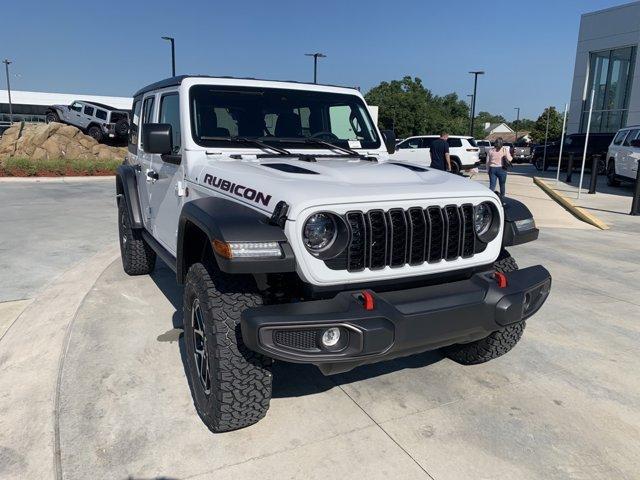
114, 47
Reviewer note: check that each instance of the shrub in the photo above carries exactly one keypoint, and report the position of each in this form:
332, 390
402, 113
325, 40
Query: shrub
26, 167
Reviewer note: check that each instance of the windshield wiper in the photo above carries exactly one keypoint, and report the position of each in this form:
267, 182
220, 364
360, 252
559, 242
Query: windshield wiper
346, 150
253, 141
317, 141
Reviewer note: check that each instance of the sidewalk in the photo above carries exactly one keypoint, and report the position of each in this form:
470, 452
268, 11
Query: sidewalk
547, 213
611, 204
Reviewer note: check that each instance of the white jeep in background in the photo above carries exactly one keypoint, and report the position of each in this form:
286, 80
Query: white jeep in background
297, 239
623, 156
463, 151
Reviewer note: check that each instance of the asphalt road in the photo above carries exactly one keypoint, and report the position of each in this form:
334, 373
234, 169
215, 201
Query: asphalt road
48, 226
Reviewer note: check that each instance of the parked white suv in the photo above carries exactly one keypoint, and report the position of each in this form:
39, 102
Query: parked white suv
463, 151
623, 156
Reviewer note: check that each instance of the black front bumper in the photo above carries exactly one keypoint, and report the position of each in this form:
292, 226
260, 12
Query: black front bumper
401, 322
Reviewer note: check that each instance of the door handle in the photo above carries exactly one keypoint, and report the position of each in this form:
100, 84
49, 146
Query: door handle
152, 176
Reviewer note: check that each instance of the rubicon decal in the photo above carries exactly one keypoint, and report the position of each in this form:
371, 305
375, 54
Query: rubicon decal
237, 189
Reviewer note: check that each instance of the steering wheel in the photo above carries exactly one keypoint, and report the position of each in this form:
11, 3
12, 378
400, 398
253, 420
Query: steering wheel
325, 135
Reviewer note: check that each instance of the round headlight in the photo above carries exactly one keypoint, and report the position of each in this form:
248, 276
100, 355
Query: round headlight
483, 218
319, 232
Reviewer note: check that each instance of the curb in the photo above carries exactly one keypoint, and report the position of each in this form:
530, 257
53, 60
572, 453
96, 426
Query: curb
61, 179
577, 212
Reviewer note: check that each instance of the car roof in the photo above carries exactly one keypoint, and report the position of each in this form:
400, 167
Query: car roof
99, 105
177, 80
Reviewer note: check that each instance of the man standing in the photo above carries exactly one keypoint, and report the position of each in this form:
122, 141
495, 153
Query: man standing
440, 153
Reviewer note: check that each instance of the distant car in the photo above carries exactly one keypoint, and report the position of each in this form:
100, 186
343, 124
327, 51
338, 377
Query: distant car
623, 156
521, 152
483, 146
462, 149
95, 119
573, 144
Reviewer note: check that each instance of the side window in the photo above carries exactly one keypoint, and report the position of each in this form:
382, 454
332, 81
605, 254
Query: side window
620, 137
147, 113
77, 106
631, 136
133, 130
340, 122
101, 114
454, 142
426, 142
413, 143
170, 113
88, 110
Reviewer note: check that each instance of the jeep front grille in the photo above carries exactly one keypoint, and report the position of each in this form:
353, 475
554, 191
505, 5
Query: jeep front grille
396, 237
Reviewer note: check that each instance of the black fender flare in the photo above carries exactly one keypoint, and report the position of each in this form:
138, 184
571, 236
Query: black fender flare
127, 191
515, 211
227, 221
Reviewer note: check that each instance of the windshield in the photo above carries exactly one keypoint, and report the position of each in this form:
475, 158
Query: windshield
279, 116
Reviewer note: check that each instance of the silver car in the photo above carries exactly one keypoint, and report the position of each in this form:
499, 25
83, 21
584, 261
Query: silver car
95, 119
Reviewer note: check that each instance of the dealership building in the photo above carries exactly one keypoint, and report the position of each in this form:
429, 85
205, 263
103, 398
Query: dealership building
31, 106
607, 64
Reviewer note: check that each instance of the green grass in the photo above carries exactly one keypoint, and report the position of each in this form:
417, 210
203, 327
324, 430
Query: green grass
26, 167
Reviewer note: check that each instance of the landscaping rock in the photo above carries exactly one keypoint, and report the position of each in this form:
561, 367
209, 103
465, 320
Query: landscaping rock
51, 141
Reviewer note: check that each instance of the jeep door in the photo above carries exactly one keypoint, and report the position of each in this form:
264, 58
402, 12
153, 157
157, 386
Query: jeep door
73, 113
166, 190
413, 150
144, 171
87, 116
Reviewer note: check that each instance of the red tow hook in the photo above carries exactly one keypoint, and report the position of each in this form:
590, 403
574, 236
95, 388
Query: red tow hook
367, 300
501, 278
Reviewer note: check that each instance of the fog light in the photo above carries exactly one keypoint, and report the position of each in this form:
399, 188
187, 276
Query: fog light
331, 337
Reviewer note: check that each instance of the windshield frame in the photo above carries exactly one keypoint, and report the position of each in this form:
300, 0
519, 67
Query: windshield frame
295, 144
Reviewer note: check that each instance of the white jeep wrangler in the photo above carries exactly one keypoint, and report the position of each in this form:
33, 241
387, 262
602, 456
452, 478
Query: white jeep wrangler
297, 239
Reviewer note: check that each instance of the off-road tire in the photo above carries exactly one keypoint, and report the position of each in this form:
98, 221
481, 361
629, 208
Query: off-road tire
95, 133
612, 180
138, 258
239, 379
52, 117
499, 342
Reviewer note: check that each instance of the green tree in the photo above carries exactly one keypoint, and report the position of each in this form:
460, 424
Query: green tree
523, 125
555, 126
409, 108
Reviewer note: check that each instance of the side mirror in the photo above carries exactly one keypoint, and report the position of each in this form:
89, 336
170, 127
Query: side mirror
157, 138
635, 142
389, 140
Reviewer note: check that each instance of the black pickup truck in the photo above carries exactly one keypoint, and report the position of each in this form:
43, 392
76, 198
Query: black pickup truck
574, 143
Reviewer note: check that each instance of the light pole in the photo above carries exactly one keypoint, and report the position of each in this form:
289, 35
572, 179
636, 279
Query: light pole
475, 74
7, 62
517, 124
315, 63
173, 54
470, 106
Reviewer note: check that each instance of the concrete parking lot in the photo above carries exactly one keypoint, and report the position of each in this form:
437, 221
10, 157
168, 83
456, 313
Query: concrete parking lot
93, 382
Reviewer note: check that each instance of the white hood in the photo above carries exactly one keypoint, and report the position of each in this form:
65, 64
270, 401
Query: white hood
331, 181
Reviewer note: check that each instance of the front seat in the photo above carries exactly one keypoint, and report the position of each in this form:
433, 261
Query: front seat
209, 126
288, 125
